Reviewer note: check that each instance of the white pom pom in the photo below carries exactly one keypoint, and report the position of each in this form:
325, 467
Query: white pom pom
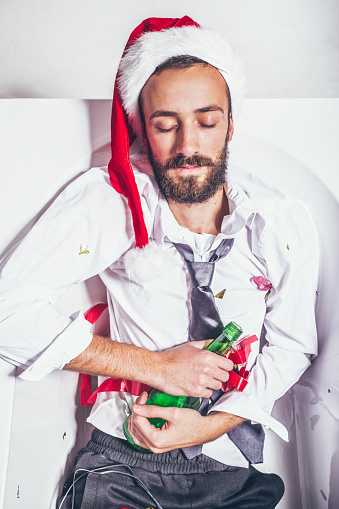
149, 263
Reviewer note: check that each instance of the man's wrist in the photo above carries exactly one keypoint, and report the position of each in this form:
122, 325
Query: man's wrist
219, 423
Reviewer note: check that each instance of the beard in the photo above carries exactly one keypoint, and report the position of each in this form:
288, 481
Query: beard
191, 188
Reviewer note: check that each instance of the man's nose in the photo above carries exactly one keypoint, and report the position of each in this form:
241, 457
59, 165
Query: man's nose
187, 142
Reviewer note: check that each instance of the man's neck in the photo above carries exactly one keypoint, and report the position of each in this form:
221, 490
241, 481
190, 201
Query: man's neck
202, 217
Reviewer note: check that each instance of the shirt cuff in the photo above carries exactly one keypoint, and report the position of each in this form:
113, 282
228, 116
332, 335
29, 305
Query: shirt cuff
246, 406
68, 345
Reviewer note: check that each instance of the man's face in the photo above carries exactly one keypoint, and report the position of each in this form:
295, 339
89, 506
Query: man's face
187, 129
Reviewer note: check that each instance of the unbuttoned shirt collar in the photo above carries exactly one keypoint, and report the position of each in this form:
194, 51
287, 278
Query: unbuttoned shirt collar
166, 228
242, 214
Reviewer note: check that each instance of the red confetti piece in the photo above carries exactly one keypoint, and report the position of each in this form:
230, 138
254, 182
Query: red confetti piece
261, 283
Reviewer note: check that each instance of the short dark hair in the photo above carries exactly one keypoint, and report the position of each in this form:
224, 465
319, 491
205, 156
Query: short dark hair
180, 62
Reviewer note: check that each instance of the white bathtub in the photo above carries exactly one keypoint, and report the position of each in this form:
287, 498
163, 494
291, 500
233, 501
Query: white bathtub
290, 142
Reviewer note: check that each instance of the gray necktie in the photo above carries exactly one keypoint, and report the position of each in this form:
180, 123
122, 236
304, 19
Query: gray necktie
205, 323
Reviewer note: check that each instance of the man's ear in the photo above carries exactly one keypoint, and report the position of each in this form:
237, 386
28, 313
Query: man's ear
144, 135
143, 129
230, 128
142, 121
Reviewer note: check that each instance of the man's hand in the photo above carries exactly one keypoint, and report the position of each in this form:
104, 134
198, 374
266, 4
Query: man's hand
188, 370
184, 427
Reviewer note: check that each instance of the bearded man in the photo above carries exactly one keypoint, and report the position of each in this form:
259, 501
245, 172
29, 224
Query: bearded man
166, 209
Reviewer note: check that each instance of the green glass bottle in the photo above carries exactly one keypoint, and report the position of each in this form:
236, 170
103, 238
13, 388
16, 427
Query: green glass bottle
221, 345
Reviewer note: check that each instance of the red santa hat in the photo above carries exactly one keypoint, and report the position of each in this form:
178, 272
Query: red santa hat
153, 42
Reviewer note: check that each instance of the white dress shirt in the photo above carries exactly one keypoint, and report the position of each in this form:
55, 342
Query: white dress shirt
274, 237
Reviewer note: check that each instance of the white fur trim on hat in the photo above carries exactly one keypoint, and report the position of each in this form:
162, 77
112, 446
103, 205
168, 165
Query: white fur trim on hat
153, 48
147, 264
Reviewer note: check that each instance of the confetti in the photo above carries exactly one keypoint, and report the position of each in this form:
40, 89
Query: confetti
261, 283
220, 295
83, 249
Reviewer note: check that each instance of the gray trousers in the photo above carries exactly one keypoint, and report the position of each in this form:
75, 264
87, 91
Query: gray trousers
122, 477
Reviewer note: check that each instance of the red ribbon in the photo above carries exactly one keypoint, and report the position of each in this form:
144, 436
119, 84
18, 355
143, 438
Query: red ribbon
237, 379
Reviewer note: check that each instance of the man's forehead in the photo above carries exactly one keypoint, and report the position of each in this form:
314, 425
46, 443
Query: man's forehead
200, 86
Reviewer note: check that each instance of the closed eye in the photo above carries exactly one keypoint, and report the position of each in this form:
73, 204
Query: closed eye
162, 130
208, 126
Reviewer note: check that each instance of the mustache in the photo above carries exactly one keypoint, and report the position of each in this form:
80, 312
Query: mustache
195, 160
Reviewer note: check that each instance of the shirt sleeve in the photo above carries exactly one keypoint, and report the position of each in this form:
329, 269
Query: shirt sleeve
85, 230
289, 248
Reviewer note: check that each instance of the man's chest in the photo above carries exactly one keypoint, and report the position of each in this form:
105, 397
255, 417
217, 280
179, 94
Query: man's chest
161, 306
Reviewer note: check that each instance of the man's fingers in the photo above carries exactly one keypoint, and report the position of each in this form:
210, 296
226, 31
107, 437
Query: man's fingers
142, 431
200, 344
141, 400
204, 392
212, 360
224, 363
223, 374
211, 380
151, 411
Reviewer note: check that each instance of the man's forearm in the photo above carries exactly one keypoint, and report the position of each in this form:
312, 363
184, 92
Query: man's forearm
110, 358
186, 369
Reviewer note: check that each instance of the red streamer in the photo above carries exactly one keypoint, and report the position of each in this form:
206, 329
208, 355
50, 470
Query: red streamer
238, 377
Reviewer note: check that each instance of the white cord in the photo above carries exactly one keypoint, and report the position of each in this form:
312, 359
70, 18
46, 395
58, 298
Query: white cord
97, 470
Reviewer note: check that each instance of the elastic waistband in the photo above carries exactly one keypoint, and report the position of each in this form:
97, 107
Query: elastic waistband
171, 462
